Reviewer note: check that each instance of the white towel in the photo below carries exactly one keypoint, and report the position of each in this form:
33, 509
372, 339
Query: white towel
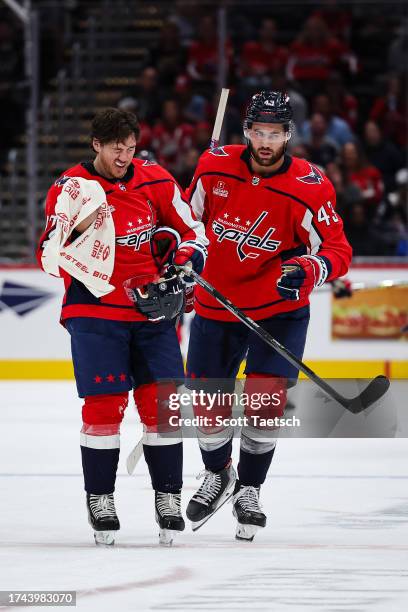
91, 257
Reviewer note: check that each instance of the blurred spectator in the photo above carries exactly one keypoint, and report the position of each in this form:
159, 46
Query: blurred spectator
260, 58
382, 154
391, 234
232, 125
343, 103
147, 156
202, 136
322, 149
194, 107
147, 96
171, 137
337, 129
338, 19
168, 55
190, 160
390, 111
185, 15
359, 231
297, 101
203, 55
398, 200
347, 194
315, 54
130, 104
399, 49
299, 150
359, 172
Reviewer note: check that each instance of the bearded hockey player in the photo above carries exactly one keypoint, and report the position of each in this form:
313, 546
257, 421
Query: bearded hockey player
101, 216
274, 236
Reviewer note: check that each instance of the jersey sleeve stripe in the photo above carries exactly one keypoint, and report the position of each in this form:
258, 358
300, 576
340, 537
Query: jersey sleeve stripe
184, 212
197, 199
315, 239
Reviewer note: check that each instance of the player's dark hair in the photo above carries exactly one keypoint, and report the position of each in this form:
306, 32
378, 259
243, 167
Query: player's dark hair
114, 125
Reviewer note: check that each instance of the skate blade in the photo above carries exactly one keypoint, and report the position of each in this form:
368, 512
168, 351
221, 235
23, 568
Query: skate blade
166, 537
104, 538
246, 533
196, 525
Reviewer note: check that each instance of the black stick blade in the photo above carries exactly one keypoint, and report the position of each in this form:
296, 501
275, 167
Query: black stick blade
373, 392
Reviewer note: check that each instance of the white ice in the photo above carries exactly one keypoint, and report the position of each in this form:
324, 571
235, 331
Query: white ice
336, 538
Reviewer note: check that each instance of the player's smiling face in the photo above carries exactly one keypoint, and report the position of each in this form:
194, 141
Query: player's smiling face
114, 158
267, 142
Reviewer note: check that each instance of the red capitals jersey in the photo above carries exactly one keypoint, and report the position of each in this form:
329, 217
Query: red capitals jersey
255, 223
145, 198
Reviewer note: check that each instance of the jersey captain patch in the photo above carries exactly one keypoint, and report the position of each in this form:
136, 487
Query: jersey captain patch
314, 177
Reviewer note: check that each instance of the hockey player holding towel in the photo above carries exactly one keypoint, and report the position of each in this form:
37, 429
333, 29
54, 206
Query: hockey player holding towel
122, 338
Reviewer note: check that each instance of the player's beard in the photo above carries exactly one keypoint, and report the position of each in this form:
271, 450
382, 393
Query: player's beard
270, 161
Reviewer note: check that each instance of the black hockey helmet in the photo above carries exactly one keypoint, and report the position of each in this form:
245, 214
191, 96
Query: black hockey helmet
268, 107
162, 300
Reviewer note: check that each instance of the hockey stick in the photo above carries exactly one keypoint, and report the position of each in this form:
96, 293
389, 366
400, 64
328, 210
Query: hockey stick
215, 138
134, 456
373, 392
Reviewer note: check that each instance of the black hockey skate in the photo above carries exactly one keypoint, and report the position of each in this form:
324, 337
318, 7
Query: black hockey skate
247, 511
216, 489
102, 517
168, 516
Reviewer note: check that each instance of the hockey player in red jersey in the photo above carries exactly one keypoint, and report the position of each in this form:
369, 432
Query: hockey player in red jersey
274, 236
119, 344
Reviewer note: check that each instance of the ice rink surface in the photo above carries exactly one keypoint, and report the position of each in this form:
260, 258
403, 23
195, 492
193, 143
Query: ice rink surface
336, 538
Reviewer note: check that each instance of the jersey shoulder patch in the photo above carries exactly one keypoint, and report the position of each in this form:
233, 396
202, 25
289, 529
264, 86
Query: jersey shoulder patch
61, 180
218, 152
315, 176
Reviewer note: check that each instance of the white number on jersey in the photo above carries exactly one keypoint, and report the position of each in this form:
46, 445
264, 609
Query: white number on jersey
323, 216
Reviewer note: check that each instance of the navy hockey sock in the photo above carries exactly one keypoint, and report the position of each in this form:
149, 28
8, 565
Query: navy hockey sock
99, 467
252, 469
216, 460
165, 465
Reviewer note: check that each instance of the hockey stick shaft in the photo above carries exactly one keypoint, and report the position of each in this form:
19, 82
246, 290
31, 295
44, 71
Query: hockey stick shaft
374, 391
215, 138
134, 456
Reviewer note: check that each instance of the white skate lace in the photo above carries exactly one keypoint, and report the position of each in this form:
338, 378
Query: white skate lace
168, 504
248, 499
102, 506
209, 489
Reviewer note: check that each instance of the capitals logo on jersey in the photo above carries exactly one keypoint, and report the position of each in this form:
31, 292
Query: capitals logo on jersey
314, 177
244, 238
218, 152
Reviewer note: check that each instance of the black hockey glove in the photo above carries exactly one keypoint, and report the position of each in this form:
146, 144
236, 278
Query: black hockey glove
162, 300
